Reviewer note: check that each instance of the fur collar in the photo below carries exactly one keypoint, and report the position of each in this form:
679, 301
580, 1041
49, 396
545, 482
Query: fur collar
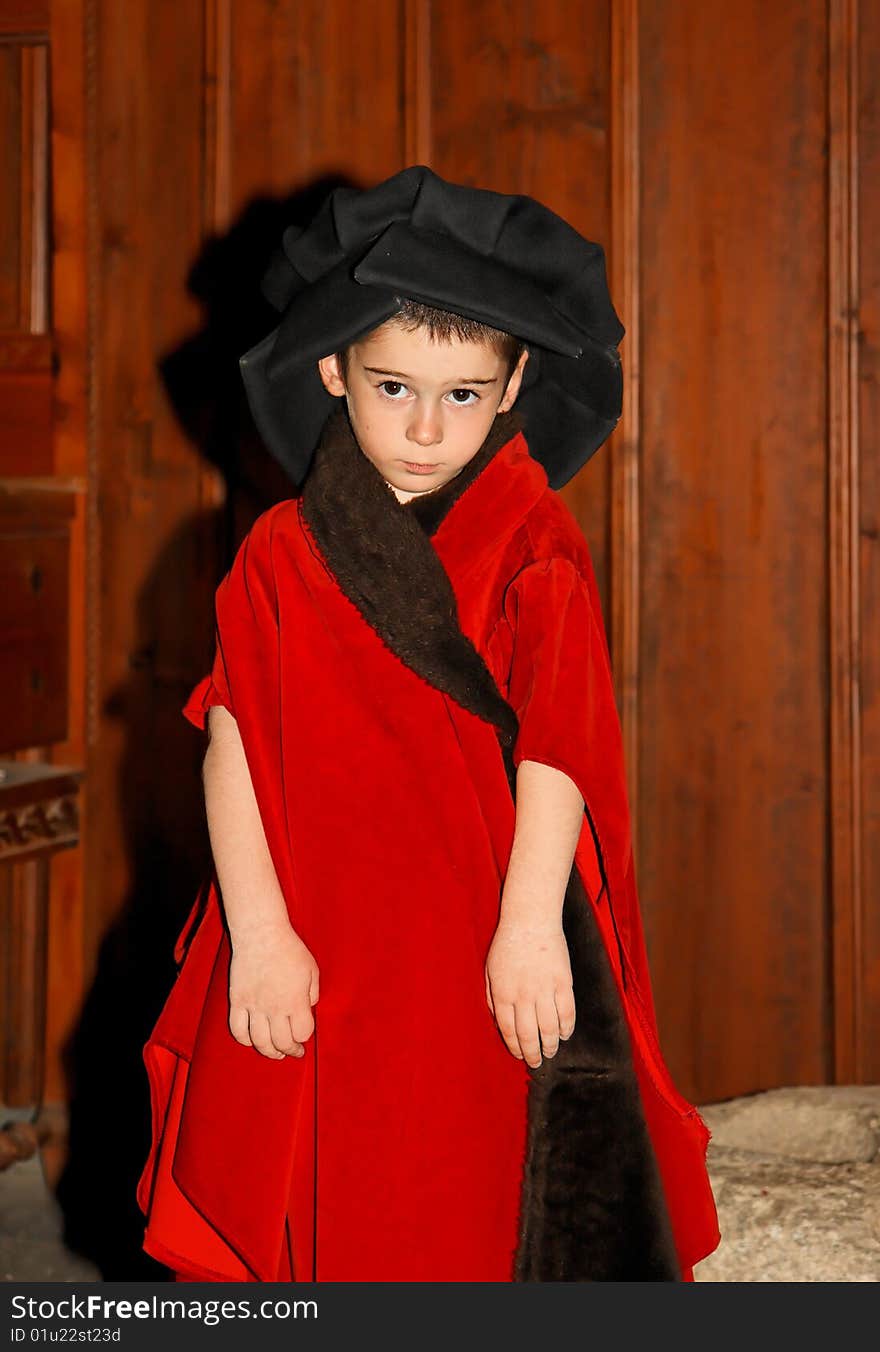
592, 1204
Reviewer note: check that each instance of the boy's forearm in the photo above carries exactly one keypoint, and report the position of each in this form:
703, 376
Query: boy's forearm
252, 898
549, 815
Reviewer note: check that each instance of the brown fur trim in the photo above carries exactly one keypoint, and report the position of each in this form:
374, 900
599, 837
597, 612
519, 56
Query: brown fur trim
592, 1206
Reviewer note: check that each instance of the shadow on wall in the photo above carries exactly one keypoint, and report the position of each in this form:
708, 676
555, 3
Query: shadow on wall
161, 804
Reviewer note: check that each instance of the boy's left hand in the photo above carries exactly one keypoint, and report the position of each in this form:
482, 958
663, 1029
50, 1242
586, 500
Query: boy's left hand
529, 988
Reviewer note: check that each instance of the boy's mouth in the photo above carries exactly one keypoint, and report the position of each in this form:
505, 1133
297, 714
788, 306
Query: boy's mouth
415, 468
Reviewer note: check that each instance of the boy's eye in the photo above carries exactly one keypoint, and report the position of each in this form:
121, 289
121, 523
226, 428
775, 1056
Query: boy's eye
391, 389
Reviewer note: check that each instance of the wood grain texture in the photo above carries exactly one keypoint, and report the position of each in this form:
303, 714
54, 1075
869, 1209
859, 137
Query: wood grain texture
734, 795
865, 387
843, 516
70, 275
316, 89
24, 18
34, 587
23, 904
25, 355
38, 817
623, 614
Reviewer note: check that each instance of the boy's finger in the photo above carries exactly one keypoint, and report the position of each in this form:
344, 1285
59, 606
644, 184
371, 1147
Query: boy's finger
504, 1017
238, 1025
548, 1024
527, 1034
565, 1008
281, 1036
259, 1028
293, 1048
302, 1023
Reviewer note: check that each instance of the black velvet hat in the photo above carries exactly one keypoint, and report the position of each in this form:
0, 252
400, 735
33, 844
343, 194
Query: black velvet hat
502, 259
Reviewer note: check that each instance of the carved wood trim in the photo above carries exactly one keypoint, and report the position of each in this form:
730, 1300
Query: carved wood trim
849, 1001
624, 446
39, 815
24, 19
29, 830
34, 288
92, 562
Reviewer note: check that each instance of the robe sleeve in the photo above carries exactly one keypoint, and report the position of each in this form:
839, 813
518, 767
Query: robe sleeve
211, 689
560, 686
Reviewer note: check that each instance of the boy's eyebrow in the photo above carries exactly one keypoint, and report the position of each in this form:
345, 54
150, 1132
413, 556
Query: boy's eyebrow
399, 375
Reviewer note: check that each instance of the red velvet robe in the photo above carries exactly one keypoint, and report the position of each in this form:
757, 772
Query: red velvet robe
393, 1149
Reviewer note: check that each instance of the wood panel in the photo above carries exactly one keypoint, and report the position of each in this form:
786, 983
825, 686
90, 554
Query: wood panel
843, 549
316, 90
623, 602
734, 801
23, 903
34, 587
38, 817
19, 18
864, 971
28, 392
71, 279
25, 353
11, 243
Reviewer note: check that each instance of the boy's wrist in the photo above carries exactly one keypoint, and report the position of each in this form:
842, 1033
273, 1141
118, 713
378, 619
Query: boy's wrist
261, 934
533, 910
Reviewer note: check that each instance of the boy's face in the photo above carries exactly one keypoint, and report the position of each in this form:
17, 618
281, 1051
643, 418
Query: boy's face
415, 403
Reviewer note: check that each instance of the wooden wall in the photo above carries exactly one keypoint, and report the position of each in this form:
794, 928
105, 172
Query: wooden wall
734, 778
724, 156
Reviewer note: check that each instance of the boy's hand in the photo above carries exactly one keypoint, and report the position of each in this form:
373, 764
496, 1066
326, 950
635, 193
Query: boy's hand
273, 983
529, 988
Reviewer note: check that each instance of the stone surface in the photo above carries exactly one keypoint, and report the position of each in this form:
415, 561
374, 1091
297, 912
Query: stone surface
796, 1177
825, 1124
31, 1247
793, 1221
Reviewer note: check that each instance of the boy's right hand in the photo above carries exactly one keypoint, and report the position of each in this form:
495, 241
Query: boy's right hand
273, 983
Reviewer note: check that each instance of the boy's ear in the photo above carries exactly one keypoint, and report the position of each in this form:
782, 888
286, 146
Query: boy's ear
514, 383
331, 376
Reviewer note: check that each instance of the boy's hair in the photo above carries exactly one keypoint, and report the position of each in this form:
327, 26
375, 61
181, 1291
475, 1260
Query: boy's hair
443, 325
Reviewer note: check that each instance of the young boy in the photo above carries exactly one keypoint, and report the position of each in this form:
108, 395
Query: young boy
412, 1036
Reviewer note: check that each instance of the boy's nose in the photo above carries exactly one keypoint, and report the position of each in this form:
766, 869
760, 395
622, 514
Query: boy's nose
426, 428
